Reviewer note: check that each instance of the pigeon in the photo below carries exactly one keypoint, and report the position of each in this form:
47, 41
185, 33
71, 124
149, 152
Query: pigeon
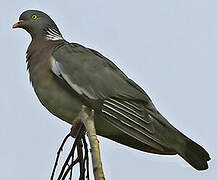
67, 75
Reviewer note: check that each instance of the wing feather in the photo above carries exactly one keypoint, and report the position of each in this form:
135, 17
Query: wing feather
124, 103
138, 126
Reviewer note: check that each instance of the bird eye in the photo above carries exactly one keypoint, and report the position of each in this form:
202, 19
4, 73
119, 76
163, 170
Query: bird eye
34, 16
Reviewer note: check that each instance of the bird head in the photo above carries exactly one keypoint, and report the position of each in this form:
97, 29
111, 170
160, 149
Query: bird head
37, 23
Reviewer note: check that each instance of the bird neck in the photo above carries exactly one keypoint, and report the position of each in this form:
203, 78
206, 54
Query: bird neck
53, 34
38, 54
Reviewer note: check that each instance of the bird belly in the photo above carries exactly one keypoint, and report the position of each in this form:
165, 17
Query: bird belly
57, 98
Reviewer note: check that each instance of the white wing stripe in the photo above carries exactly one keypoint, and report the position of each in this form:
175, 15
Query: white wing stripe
124, 106
132, 105
135, 115
123, 122
116, 118
56, 69
122, 115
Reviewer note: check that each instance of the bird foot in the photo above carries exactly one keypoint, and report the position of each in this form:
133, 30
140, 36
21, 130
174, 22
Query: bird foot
76, 125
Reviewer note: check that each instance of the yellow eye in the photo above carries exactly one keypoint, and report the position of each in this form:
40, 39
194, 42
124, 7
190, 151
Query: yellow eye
34, 16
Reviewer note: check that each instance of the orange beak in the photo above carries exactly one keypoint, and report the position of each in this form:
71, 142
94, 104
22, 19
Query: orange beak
17, 25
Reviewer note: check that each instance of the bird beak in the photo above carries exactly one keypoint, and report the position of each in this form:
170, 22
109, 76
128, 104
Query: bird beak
18, 24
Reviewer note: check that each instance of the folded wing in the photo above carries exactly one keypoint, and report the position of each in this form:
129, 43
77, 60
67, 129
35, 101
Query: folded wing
123, 102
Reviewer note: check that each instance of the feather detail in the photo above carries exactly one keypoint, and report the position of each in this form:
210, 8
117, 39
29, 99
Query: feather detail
56, 69
53, 34
131, 119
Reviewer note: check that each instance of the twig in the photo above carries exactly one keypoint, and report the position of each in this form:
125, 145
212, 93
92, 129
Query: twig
58, 155
86, 157
81, 160
71, 154
69, 168
82, 121
70, 175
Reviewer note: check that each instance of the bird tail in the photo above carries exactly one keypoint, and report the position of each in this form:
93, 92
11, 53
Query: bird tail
193, 153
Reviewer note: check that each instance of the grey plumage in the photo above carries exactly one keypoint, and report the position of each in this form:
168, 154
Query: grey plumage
66, 75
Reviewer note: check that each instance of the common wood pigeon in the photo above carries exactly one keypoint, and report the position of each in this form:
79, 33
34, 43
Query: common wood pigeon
67, 75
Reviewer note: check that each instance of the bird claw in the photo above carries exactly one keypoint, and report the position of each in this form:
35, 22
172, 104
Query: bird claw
76, 125
77, 122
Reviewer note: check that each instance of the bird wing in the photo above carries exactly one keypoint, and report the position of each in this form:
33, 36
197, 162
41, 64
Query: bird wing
125, 104
92, 75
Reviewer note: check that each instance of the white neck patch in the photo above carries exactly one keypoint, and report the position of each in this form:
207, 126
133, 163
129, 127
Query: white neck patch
53, 34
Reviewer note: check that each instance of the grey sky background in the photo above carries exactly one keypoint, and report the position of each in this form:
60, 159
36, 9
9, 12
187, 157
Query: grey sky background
167, 47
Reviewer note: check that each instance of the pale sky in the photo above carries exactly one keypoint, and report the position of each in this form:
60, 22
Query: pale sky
167, 47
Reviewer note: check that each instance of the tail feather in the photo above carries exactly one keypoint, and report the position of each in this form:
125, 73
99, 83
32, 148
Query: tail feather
195, 155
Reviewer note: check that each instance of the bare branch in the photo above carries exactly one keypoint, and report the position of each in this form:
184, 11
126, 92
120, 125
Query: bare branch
58, 155
86, 157
70, 168
81, 122
81, 160
71, 154
88, 122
